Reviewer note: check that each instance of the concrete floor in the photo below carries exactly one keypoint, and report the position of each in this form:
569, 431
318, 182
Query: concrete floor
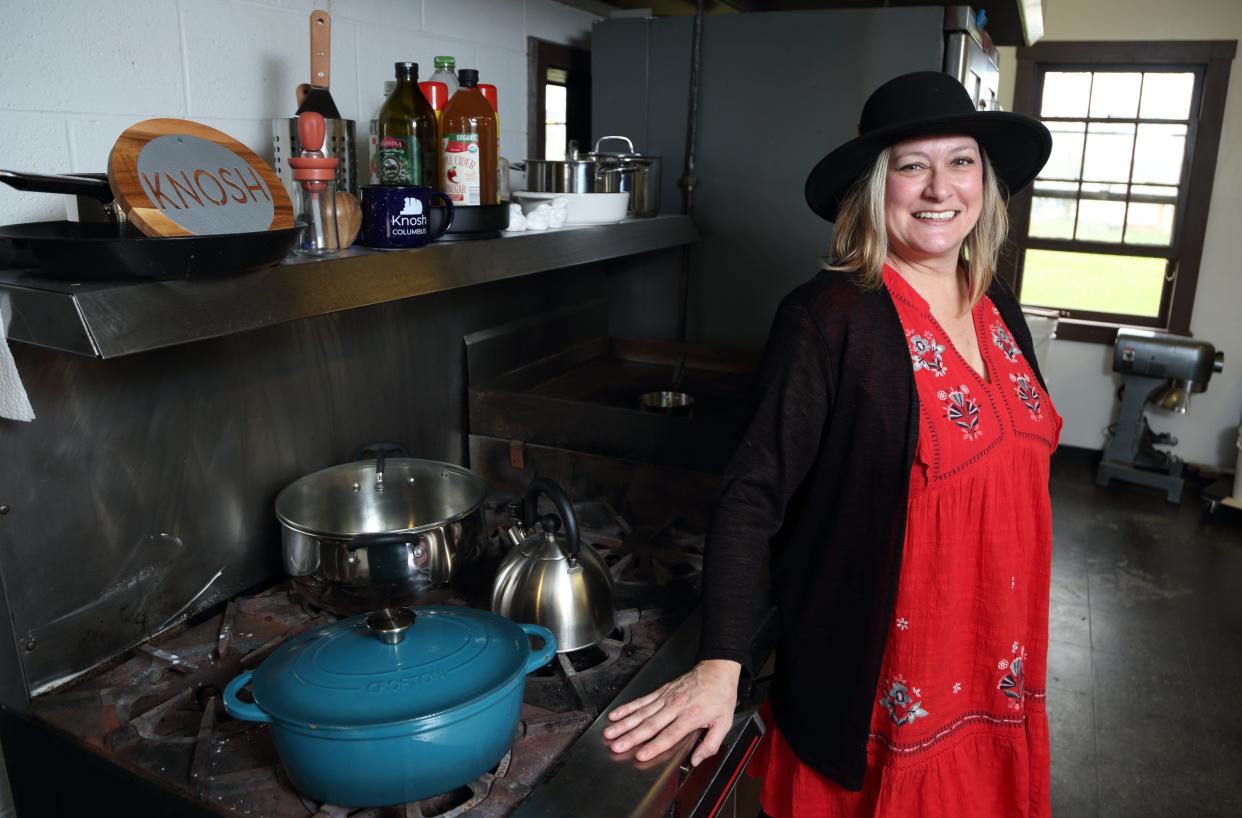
1145, 658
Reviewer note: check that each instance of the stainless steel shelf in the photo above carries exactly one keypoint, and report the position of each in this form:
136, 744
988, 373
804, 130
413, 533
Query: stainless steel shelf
107, 320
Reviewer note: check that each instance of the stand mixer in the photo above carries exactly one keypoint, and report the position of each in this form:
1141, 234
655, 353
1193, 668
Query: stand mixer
1163, 370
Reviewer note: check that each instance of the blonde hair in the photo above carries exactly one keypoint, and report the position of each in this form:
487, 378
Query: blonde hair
860, 242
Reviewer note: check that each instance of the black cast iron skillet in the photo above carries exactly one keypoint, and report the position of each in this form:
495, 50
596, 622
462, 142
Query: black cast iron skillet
108, 251
80, 251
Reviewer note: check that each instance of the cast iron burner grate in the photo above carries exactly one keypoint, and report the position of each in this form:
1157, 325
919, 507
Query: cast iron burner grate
157, 712
451, 804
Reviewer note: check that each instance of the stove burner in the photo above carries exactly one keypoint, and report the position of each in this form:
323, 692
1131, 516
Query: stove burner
449, 804
586, 658
668, 557
664, 566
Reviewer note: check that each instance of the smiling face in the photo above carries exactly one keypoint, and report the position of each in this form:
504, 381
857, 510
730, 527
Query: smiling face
933, 194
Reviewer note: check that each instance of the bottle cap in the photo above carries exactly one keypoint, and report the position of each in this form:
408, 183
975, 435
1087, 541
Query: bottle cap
468, 77
445, 62
406, 70
489, 93
436, 94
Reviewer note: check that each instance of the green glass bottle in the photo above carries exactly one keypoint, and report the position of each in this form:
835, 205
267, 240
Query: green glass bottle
406, 139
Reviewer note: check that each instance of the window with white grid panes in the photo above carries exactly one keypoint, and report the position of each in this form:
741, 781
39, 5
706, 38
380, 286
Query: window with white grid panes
1102, 231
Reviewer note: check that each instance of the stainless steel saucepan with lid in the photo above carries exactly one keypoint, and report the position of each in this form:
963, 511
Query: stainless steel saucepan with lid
330, 519
600, 172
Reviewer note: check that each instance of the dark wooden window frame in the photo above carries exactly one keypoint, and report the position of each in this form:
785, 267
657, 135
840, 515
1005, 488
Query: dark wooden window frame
540, 56
1210, 61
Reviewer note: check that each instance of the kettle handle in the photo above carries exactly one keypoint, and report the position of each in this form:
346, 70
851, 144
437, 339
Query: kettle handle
530, 513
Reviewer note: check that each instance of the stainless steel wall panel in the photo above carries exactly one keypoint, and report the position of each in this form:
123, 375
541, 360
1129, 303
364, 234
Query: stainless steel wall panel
145, 476
779, 90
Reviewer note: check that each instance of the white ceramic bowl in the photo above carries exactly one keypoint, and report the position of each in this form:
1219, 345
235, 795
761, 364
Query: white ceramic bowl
584, 208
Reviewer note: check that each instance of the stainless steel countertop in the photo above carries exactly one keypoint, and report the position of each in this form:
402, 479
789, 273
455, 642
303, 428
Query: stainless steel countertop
107, 320
594, 781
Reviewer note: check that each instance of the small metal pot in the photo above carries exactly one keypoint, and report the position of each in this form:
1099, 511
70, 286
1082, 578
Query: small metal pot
331, 520
630, 172
599, 172
667, 402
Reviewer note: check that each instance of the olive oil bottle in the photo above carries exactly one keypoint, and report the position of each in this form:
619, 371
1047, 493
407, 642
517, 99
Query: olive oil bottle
406, 134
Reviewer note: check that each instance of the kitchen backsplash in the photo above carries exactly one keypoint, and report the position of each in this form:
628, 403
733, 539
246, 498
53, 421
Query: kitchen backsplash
76, 73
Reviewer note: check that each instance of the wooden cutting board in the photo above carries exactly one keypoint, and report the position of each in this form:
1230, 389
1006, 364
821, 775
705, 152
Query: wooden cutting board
174, 177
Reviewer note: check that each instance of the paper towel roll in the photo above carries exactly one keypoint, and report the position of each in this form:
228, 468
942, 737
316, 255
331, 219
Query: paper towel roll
14, 403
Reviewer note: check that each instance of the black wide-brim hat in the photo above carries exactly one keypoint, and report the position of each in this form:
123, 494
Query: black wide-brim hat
928, 103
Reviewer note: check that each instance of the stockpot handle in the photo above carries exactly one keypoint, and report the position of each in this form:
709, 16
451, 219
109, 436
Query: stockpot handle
603, 139
539, 658
385, 447
392, 563
530, 512
393, 538
239, 709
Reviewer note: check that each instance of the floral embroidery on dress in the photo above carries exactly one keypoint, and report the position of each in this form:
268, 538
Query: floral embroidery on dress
1010, 684
900, 701
903, 624
961, 410
1004, 342
925, 353
1027, 393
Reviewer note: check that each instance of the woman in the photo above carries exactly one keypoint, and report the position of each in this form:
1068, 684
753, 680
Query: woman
894, 478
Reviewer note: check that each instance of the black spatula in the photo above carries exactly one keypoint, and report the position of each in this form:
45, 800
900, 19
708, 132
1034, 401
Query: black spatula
319, 98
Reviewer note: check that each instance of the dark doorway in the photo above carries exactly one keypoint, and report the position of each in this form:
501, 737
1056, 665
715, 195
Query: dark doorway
558, 99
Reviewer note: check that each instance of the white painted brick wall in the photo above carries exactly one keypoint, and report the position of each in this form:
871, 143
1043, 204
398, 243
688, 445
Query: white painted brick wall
74, 74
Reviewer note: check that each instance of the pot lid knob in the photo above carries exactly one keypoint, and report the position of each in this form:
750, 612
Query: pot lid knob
390, 624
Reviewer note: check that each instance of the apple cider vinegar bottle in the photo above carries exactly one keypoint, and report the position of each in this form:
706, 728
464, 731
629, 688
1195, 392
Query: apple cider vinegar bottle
468, 140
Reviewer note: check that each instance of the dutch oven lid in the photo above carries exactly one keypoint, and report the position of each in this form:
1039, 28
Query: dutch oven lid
345, 675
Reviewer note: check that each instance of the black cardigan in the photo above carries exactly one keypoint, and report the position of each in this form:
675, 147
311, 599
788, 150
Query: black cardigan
822, 475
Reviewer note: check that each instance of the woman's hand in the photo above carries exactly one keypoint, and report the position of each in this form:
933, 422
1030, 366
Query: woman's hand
703, 698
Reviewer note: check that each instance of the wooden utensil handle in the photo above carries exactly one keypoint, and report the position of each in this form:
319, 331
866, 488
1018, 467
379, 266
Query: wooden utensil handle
321, 48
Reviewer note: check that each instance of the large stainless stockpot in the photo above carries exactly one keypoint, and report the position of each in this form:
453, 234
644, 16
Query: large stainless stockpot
330, 517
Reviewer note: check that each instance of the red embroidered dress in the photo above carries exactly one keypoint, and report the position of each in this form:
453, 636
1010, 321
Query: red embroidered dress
959, 726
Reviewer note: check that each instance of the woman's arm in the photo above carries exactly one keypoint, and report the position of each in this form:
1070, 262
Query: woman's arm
794, 388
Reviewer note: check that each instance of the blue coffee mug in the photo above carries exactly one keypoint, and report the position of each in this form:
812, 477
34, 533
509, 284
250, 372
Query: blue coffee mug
400, 216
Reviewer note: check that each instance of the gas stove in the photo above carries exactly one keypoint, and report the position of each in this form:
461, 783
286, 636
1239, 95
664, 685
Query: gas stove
156, 715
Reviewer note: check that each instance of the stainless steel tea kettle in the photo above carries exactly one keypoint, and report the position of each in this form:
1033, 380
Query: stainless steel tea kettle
552, 579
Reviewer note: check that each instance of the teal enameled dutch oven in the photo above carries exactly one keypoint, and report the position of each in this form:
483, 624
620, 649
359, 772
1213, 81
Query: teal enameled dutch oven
396, 705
